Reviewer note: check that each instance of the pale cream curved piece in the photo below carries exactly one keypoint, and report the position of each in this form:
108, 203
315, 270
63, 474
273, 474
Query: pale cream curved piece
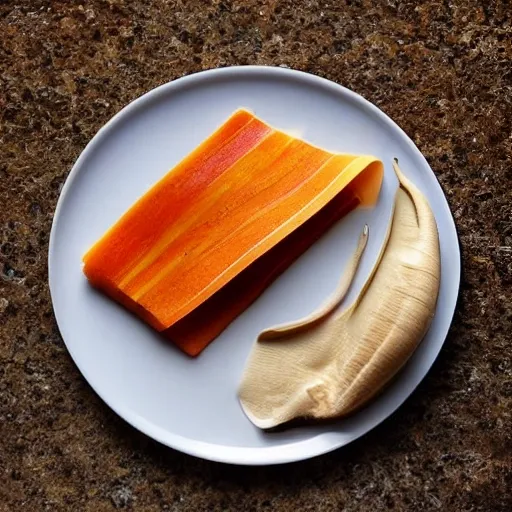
333, 362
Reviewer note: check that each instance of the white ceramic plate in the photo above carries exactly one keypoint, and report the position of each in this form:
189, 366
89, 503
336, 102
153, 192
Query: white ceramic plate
191, 404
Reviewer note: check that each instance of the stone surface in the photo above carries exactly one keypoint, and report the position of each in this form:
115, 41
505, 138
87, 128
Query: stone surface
441, 69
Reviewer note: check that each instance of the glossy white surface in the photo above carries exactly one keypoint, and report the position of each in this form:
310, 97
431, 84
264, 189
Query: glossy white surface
191, 404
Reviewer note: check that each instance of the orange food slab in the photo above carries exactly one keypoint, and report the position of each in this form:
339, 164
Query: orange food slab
234, 198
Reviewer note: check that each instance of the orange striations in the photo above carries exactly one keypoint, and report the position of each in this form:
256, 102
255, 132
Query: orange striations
172, 198
241, 196
240, 193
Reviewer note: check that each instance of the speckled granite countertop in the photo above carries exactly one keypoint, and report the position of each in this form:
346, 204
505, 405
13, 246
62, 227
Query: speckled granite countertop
442, 70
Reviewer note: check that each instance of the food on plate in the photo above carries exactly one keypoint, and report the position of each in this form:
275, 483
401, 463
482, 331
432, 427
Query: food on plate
233, 199
333, 362
194, 332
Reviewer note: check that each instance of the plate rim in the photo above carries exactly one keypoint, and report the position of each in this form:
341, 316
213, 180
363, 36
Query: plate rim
253, 456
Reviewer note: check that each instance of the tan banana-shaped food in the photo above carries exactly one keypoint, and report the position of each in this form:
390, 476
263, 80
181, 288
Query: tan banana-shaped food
333, 362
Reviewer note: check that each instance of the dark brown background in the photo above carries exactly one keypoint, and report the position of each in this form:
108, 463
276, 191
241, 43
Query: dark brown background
441, 69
